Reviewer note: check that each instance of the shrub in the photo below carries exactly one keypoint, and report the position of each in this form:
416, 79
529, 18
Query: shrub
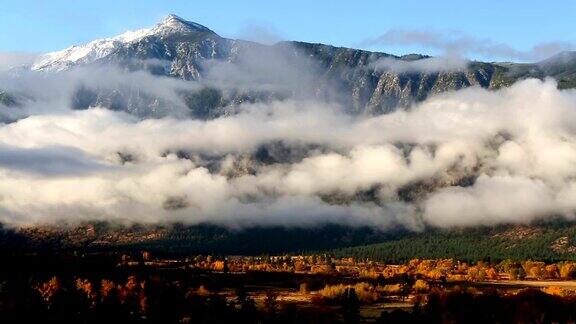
365, 292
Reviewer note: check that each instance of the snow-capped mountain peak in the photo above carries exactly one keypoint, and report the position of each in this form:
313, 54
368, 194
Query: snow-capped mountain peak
174, 23
100, 48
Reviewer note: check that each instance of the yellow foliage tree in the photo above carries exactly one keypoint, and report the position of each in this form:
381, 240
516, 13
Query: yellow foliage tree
566, 270
421, 286
49, 289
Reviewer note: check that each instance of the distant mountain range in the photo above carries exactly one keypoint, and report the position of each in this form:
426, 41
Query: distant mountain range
235, 71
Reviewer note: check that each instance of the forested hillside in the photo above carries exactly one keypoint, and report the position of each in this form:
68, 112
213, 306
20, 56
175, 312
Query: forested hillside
547, 242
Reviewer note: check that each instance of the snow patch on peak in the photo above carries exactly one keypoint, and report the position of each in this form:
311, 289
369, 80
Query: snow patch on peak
100, 48
176, 23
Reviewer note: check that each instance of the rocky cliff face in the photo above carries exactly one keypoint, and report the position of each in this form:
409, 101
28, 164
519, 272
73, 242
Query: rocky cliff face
231, 72
6, 99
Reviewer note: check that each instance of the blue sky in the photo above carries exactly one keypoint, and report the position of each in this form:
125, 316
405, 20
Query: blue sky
40, 26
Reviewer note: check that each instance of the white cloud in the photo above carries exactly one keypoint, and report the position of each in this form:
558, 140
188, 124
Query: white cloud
491, 200
454, 44
517, 145
11, 60
428, 65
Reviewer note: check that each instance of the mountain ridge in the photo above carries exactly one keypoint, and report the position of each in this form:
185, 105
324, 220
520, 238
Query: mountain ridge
293, 69
100, 48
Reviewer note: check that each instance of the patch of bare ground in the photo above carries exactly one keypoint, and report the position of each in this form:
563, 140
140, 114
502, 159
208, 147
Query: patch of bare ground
562, 245
519, 233
530, 283
516, 234
285, 296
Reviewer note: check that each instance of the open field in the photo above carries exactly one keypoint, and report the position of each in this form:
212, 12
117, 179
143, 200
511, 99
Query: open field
568, 284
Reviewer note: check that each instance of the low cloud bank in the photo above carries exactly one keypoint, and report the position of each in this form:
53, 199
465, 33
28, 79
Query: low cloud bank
11, 60
457, 159
452, 44
427, 65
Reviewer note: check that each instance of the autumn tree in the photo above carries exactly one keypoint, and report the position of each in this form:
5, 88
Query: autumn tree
491, 274
476, 273
534, 269
421, 286
84, 286
551, 271
567, 270
49, 289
